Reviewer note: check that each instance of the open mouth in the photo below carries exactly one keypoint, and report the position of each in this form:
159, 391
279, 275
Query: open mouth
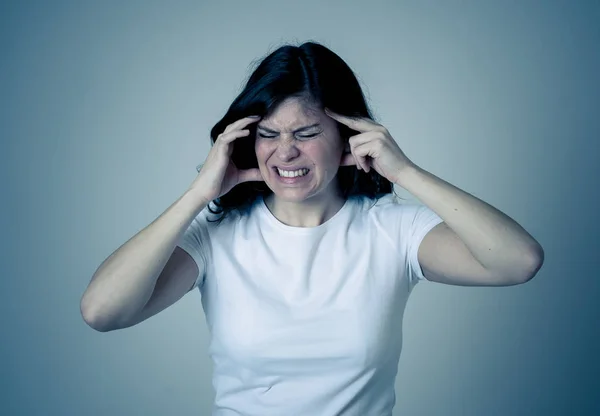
292, 174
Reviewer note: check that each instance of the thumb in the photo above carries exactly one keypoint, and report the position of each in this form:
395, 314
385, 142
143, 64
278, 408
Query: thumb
251, 175
348, 160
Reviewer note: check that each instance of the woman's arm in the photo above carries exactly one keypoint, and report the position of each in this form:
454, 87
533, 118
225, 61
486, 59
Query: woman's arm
476, 245
124, 289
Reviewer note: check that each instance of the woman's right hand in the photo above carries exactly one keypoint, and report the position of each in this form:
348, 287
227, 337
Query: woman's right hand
219, 174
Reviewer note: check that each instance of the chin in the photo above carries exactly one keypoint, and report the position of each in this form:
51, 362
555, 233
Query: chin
292, 195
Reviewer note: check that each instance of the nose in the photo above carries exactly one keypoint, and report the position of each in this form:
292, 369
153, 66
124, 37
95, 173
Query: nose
286, 149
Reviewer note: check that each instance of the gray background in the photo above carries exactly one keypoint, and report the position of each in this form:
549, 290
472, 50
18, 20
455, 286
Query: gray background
105, 112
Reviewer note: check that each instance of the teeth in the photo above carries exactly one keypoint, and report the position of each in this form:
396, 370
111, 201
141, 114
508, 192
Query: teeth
292, 174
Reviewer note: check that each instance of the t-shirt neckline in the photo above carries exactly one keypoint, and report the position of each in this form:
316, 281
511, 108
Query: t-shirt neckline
301, 230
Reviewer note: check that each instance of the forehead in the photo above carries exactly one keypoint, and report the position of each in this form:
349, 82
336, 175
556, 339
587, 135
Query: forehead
291, 114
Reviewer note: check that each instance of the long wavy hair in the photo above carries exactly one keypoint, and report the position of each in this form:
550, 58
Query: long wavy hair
310, 71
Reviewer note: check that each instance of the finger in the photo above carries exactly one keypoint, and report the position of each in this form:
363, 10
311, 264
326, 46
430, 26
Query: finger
241, 123
361, 124
361, 162
357, 162
351, 159
231, 136
250, 175
362, 152
362, 138
348, 159
359, 140
348, 151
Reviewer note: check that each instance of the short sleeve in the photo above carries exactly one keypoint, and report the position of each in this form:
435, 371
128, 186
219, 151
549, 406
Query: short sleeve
195, 241
417, 222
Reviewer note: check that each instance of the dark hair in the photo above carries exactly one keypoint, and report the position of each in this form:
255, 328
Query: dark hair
310, 71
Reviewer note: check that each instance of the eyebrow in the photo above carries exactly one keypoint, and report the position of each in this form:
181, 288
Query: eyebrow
295, 131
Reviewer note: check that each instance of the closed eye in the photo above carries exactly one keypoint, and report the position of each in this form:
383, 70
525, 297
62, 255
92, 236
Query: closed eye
308, 136
304, 136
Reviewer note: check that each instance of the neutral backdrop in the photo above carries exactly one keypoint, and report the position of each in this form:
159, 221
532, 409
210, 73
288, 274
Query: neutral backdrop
106, 108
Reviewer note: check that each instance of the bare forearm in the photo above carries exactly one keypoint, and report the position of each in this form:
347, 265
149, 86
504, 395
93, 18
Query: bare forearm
495, 240
124, 282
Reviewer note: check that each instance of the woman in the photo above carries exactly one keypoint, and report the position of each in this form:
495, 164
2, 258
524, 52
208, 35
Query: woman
305, 259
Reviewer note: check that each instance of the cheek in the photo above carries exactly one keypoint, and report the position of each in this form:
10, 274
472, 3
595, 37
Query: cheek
260, 151
263, 152
322, 154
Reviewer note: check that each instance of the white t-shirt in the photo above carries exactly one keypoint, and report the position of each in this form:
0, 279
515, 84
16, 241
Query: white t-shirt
308, 321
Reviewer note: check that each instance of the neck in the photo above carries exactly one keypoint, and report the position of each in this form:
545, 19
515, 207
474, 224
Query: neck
311, 212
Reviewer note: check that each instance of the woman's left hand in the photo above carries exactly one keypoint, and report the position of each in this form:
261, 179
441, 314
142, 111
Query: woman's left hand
373, 147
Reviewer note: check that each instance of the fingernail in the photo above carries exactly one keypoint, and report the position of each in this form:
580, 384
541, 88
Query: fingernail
254, 116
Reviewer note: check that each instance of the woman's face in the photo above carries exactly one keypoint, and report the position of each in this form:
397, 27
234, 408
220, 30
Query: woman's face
301, 139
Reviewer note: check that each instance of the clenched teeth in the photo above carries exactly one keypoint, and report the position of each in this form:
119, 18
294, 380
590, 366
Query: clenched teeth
292, 174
